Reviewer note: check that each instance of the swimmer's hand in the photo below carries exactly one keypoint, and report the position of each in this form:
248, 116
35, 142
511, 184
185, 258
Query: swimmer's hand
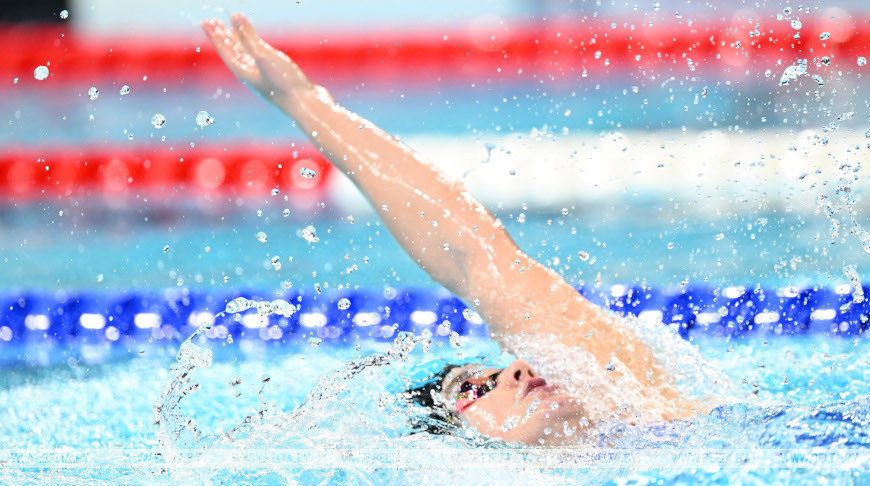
267, 70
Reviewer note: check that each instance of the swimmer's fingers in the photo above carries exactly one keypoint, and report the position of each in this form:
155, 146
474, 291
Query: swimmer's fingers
232, 51
275, 64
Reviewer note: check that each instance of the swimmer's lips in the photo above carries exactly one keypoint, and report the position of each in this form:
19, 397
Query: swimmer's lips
537, 385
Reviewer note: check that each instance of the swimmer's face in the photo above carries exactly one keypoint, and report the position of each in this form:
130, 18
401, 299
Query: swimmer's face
513, 404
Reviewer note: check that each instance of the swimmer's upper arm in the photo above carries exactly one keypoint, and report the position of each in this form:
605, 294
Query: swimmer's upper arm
520, 296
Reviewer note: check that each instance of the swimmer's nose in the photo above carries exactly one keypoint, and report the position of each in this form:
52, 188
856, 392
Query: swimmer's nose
517, 373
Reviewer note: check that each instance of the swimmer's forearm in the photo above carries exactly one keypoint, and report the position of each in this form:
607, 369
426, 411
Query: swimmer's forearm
437, 222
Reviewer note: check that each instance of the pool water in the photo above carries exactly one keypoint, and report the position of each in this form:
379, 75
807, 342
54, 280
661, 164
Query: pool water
166, 247
219, 411
797, 393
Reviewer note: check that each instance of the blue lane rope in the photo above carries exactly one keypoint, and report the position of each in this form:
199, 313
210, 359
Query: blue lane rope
134, 316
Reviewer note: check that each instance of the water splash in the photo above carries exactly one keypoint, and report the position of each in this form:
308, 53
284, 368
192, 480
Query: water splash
174, 431
851, 272
322, 436
264, 308
618, 396
847, 175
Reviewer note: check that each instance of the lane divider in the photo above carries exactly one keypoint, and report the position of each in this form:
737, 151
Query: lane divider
553, 49
67, 320
200, 171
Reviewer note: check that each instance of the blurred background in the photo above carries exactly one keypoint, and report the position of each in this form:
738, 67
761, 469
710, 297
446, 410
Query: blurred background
656, 142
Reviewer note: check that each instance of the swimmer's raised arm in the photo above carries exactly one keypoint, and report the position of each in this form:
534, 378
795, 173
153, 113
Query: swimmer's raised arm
448, 232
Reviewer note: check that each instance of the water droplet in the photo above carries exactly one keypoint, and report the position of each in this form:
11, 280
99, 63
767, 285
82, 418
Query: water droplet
350, 219
262, 237
793, 72
610, 366
344, 304
275, 192
825, 36
40, 73
314, 341
825, 60
286, 213
307, 173
862, 61
723, 311
796, 24
276, 262
787, 10
583, 256
64, 14
455, 340
93, 93
165, 248
203, 119
100, 277
671, 245
597, 54
308, 233
564, 211
124, 90
467, 314
158, 120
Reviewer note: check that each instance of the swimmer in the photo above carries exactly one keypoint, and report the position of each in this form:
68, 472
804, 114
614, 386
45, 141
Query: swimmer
470, 253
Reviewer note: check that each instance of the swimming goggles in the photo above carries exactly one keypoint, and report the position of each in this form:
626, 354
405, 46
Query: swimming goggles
473, 388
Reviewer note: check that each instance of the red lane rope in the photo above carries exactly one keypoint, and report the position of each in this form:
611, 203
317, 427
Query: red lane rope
200, 171
553, 50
